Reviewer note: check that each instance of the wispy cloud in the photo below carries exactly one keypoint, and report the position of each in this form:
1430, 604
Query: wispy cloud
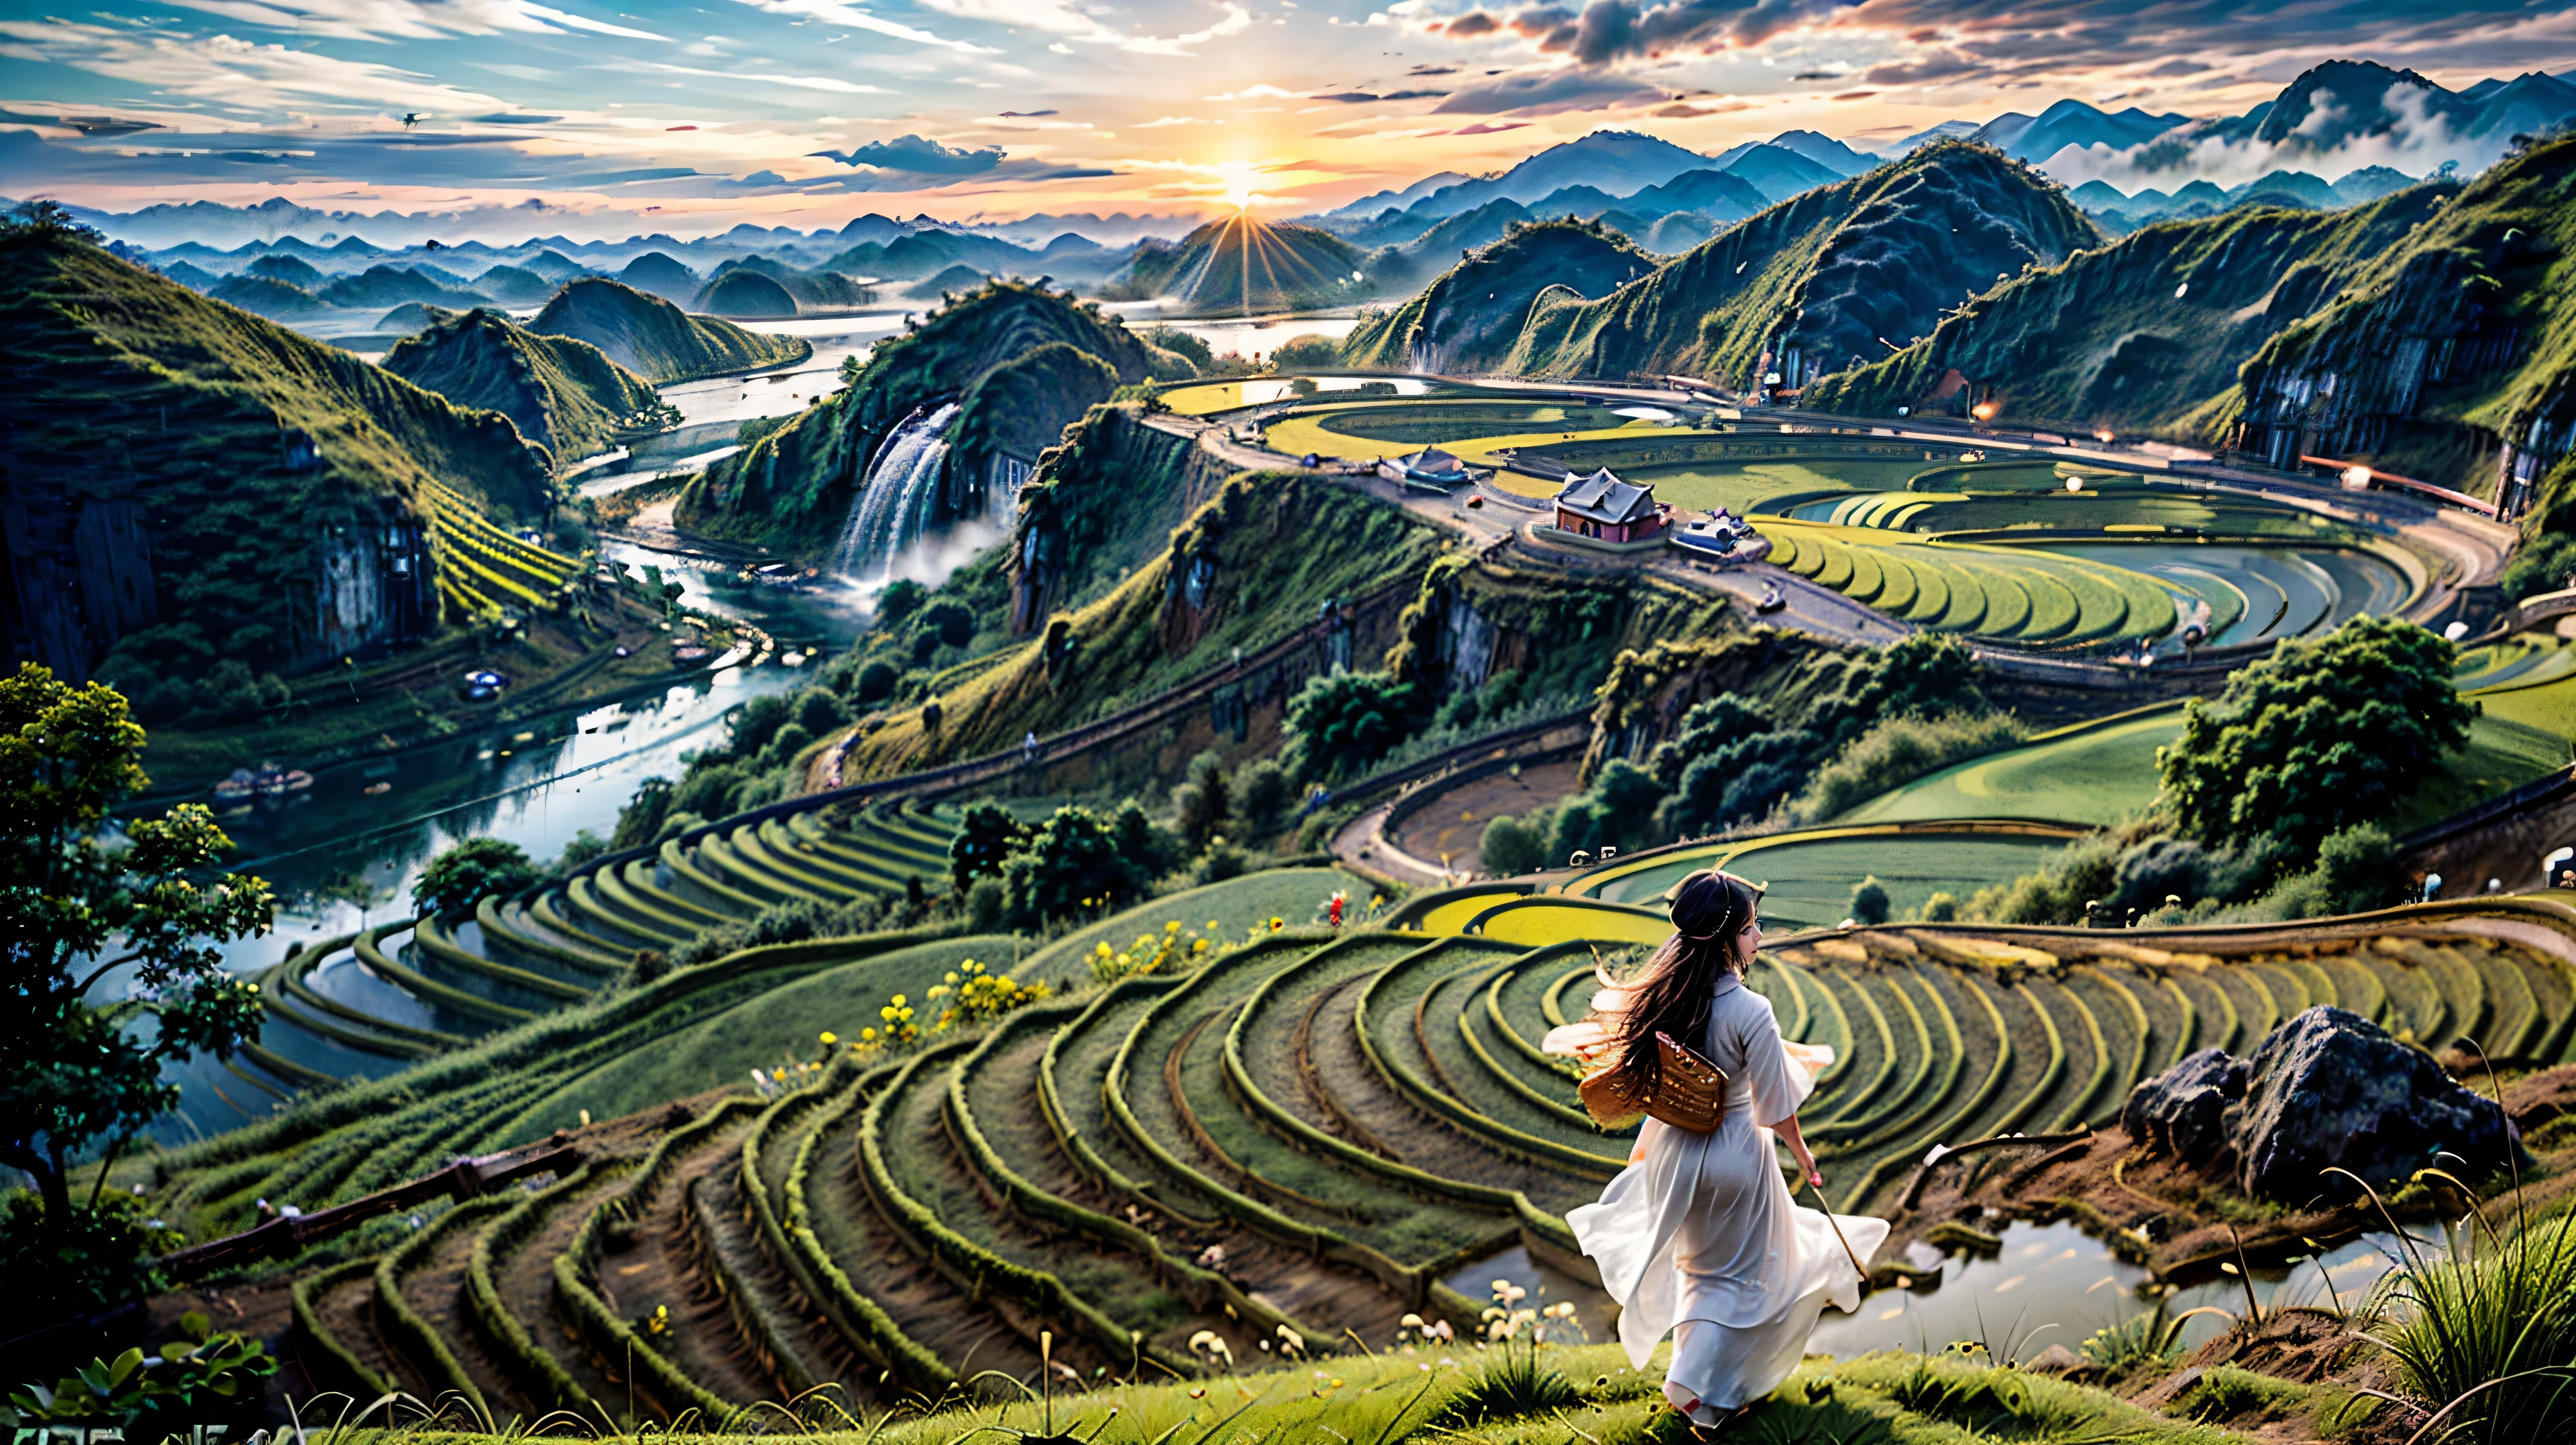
851, 17
388, 20
832, 83
268, 78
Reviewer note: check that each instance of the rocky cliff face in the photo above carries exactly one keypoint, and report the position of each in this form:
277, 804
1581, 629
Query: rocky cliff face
186, 485
1830, 280
2139, 335
1020, 361
2450, 358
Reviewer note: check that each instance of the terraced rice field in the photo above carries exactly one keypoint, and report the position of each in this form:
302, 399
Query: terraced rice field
414, 989
1811, 873
483, 569
1930, 532
1296, 1143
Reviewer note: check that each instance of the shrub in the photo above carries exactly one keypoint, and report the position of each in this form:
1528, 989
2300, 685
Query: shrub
580, 849
1340, 722
2321, 734
1306, 353
1869, 901
986, 834
471, 871
1071, 864
102, 1254
1221, 861
984, 904
900, 599
2075, 875
708, 789
756, 722
1200, 801
818, 711
1896, 751
1512, 847
950, 622
791, 738
640, 821
875, 682
1941, 908
1261, 796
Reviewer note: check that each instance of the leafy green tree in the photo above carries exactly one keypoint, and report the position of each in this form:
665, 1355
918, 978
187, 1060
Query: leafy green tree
1200, 802
1513, 847
1070, 864
986, 835
471, 871
1343, 721
2323, 734
75, 905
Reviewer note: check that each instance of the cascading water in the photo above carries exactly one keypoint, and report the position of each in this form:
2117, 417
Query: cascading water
893, 506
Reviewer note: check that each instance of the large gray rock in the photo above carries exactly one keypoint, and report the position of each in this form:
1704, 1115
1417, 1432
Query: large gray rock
2328, 1089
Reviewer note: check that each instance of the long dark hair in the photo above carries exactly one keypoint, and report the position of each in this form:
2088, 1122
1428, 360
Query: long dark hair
1671, 994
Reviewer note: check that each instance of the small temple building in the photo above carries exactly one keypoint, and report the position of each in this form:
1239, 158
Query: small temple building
1429, 467
1605, 507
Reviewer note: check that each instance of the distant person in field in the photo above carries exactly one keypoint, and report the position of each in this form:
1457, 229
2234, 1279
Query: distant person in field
1699, 1234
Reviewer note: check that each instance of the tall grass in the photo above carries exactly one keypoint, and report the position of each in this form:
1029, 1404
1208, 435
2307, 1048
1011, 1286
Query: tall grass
2484, 1333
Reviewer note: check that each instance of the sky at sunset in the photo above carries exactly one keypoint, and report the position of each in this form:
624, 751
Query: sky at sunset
688, 117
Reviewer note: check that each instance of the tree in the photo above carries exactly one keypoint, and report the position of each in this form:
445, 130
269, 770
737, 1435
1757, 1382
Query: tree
901, 598
1869, 901
470, 872
75, 905
1342, 721
1200, 801
986, 834
1070, 864
1261, 797
1513, 847
50, 220
2323, 734
1307, 353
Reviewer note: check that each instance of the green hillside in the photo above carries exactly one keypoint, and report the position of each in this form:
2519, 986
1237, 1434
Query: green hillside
1021, 362
210, 482
657, 340
2449, 349
1818, 280
1468, 320
1245, 265
564, 393
748, 295
2137, 335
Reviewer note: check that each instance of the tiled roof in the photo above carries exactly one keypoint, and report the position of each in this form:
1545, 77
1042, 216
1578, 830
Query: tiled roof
1604, 498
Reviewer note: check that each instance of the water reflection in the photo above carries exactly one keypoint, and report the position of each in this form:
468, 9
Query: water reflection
2048, 1284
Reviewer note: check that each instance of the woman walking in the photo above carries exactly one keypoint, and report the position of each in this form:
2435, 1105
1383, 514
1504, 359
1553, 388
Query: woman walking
1698, 1235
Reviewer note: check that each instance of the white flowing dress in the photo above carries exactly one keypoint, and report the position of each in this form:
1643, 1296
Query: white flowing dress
1699, 1236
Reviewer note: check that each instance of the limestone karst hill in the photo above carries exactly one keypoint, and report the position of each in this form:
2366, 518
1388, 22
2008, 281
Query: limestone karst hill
1469, 319
1244, 265
198, 483
1019, 360
562, 393
2139, 335
657, 340
2425, 333
1835, 277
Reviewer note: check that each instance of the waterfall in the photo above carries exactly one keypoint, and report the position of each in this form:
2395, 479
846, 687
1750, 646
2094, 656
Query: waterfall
893, 506
1002, 483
